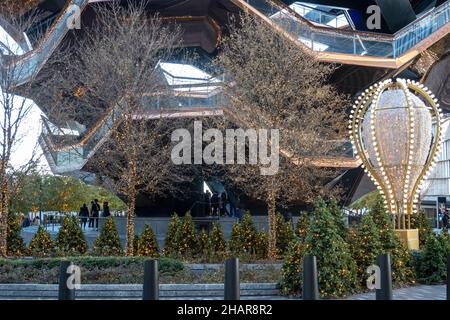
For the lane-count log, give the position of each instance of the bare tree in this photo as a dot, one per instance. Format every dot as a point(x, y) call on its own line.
point(110, 80)
point(14, 108)
point(275, 85)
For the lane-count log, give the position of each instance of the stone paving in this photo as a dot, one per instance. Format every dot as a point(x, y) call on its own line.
point(420, 292)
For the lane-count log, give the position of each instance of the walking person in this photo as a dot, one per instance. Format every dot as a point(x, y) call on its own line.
point(207, 201)
point(91, 218)
point(106, 212)
point(445, 220)
point(95, 211)
point(223, 203)
point(83, 215)
point(215, 204)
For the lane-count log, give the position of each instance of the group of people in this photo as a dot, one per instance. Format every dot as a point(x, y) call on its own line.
point(92, 214)
point(219, 204)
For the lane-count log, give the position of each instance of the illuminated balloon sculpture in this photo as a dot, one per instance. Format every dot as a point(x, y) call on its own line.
point(391, 129)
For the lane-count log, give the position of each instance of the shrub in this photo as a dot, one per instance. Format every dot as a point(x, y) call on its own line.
point(302, 225)
point(284, 234)
point(235, 242)
point(148, 245)
point(262, 244)
point(187, 237)
point(41, 245)
point(402, 269)
point(217, 241)
point(136, 240)
point(336, 267)
point(108, 241)
point(336, 212)
point(420, 221)
point(248, 234)
point(70, 239)
point(291, 277)
point(171, 243)
point(204, 245)
point(365, 247)
point(14, 242)
point(433, 265)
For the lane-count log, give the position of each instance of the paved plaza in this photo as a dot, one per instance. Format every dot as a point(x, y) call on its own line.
point(419, 292)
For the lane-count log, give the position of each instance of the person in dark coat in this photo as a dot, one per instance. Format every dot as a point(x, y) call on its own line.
point(223, 203)
point(445, 220)
point(106, 212)
point(215, 204)
point(207, 202)
point(84, 214)
point(95, 211)
point(91, 218)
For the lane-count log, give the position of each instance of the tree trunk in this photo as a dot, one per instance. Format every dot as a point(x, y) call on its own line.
point(4, 200)
point(271, 207)
point(130, 221)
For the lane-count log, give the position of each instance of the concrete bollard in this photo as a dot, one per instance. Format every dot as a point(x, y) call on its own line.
point(232, 281)
point(385, 292)
point(64, 292)
point(310, 283)
point(151, 280)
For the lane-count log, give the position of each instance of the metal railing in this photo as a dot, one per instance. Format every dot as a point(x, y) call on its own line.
point(325, 39)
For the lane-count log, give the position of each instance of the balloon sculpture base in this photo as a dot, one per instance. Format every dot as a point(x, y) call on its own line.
point(410, 237)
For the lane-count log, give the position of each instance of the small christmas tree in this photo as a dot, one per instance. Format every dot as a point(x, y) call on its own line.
point(108, 241)
point(70, 240)
point(336, 267)
point(136, 240)
point(402, 271)
point(262, 244)
point(235, 241)
point(420, 221)
point(14, 242)
point(284, 234)
point(171, 242)
point(148, 245)
point(302, 225)
point(41, 245)
point(433, 265)
point(338, 216)
point(218, 244)
point(248, 234)
point(366, 246)
point(291, 272)
point(204, 245)
point(188, 238)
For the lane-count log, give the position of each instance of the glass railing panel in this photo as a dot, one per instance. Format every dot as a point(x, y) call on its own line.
point(319, 39)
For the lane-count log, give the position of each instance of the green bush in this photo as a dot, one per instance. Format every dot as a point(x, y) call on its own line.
point(15, 245)
point(235, 241)
point(187, 237)
point(420, 221)
point(248, 234)
point(365, 247)
point(291, 277)
point(302, 226)
point(41, 245)
point(262, 245)
point(402, 268)
point(70, 239)
point(432, 267)
point(148, 245)
point(172, 243)
point(204, 245)
point(108, 241)
point(284, 234)
point(336, 267)
point(338, 216)
point(217, 241)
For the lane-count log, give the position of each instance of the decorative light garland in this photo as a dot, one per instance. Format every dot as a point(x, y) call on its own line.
point(405, 203)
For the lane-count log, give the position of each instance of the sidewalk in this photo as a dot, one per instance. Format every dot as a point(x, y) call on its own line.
point(419, 292)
